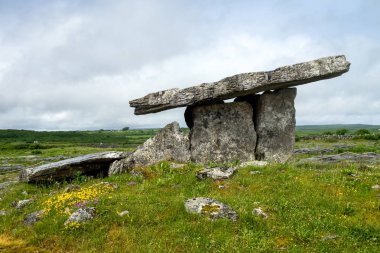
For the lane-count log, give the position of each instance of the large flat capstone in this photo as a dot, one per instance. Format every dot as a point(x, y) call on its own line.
point(222, 133)
point(92, 164)
point(243, 84)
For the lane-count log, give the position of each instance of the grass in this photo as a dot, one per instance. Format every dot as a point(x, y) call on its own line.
point(311, 207)
point(305, 204)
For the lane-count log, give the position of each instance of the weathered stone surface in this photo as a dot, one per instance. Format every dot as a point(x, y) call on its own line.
point(253, 163)
point(81, 215)
point(169, 144)
point(243, 84)
point(211, 208)
point(222, 133)
point(3, 212)
point(259, 212)
point(91, 164)
point(217, 173)
point(32, 218)
point(316, 150)
point(275, 125)
point(347, 156)
point(22, 203)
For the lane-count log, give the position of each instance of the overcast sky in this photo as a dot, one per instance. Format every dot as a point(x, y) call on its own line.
point(73, 65)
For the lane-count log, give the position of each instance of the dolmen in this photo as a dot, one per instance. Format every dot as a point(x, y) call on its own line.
point(258, 125)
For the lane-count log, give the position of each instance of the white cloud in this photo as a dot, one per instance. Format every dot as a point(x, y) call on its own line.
point(76, 66)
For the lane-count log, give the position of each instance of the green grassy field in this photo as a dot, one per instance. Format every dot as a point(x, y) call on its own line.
point(311, 207)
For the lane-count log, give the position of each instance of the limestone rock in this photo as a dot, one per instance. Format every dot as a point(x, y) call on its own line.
point(275, 125)
point(22, 203)
point(169, 144)
point(32, 218)
point(243, 84)
point(347, 156)
point(123, 213)
point(211, 208)
point(253, 163)
point(87, 164)
point(6, 184)
point(217, 173)
point(259, 212)
point(3, 212)
point(81, 215)
point(316, 150)
point(222, 133)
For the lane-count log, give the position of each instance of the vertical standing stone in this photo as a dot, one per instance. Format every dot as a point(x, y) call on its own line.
point(275, 124)
point(222, 133)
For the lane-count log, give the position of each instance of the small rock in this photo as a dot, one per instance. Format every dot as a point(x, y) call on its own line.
point(210, 208)
point(376, 186)
point(132, 183)
point(259, 212)
point(81, 215)
point(24, 193)
point(217, 173)
point(122, 213)
point(22, 203)
point(329, 237)
point(72, 188)
point(3, 213)
point(254, 172)
point(221, 186)
point(32, 218)
point(253, 163)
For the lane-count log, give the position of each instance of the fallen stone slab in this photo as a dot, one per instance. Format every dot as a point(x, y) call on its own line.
point(92, 164)
point(217, 173)
point(210, 208)
point(10, 168)
point(222, 133)
point(169, 144)
point(243, 84)
point(347, 156)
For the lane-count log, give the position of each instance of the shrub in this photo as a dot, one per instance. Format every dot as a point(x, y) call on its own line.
point(341, 131)
point(362, 132)
point(125, 129)
point(327, 133)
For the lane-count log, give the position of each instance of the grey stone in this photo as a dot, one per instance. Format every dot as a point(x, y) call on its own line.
point(123, 213)
point(275, 125)
point(87, 164)
point(3, 212)
point(259, 212)
point(376, 186)
point(347, 156)
point(22, 203)
point(253, 163)
point(316, 150)
point(211, 208)
point(10, 168)
point(217, 173)
point(32, 218)
point(169, 144)
point(255, 172)
point(223, 133)
point(81, 215)
point(243, 84)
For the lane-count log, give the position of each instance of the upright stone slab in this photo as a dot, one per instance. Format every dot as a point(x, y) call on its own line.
point(275, 124)
point(222, 133)
point(169, 144)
